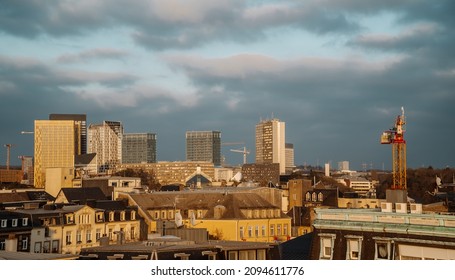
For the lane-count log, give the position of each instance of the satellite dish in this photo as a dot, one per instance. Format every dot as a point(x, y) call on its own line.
point(193, 219)
point(178, 219)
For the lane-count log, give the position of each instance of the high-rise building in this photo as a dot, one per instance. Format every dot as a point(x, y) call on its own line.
point(56, 144)
point(139, 148)
point(290, 165)
point(343, 165)
point(105, 140)
point(204, 146)
point(270, 143)
point(81, 127)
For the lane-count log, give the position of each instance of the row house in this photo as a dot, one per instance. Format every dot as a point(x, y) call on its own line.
point(226, 216)
point(70, 228)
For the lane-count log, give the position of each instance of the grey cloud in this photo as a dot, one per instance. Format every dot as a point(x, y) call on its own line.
point(93, 54)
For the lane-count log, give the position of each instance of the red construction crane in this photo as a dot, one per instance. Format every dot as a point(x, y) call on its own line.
point(395, 136)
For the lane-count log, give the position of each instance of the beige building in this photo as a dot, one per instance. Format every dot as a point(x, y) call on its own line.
point(58, 178)
point(71, 228)
point(270, 143)
point(105, 140)
point(56, 144)
point(173, 172)
point(232, 216)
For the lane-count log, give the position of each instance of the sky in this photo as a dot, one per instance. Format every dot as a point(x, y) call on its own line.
point(337, 72)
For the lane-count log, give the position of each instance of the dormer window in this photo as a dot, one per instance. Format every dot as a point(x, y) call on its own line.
point(24, 222)
point(14, 223)
point(122, 216)
point(133, 215)
point(313, 196)
point(70, 219)
point(111, 216)
point(320, 197)
point(3, 223)
point(308, 196)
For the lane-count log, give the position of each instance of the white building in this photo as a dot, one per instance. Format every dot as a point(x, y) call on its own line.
point(270, 143)
point(106, 141)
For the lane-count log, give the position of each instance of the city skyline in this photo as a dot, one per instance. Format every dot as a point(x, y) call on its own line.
point(336, 72)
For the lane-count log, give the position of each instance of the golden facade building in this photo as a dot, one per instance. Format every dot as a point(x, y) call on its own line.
point(231, 216)
point(56, 144)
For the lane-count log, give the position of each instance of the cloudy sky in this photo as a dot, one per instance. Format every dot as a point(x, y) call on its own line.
point(336, 72)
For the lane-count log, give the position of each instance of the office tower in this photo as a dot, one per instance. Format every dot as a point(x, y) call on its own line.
point(343, 165)
point(204, 146)
point(270, 143)
point(139, 148)
point(105, 140)
point(81, 127)
point(56, 144)
point(290, 165)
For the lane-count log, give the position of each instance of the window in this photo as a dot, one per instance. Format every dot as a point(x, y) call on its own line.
point(98, 234)
point(278, 229)
point(37, 248)
point(88, 236)
point(320, 197)
point(78, 236)
point(133, 233)
point(264, 231)
point(24, 222)
point(272, 230)
point(307, 196)
point(14, 223)
point(256, 231)
point(100, 217)
point(111, 216)
point(241, 232)
point(285, 229)
point(133, 215)
point(68, 238)
point(233, 255)
point(70, 219)
point(261, 254)
point(383, 249)
point(199, 214)
point(163, 214)
point(46, 247)
point(353, 247)
point(111, 234)
point(84, 219)
point(2, 245)
point(250, 231)
point(326, 243)
point(3, 223)
point(25, 243)
point(122, 216)
point(313, 196)
point(55, 246)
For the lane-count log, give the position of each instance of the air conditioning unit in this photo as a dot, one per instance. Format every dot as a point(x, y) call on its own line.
point(416, 208)
point(401, 207)
point(386, 207)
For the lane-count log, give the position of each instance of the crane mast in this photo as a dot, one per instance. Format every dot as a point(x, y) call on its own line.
point(395, 137)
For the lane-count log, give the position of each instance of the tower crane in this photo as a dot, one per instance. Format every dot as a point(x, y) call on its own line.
point(244, 151)
point(395, 137)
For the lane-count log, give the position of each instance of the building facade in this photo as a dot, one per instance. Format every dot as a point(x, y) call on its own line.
point(290, 164)
point(204, 146)
point(80, 121)
point(56, 145)
point(139, 148)
point(270, 143)
point(406, 233)
point(106, 141)
point(172, 172)
point(263, 174)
